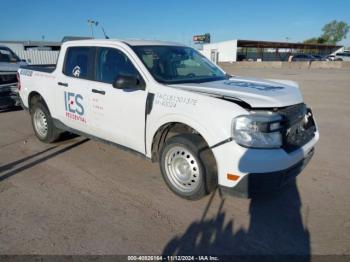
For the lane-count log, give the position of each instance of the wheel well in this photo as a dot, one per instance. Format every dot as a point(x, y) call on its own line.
point(167, 131)
point(172, 129)
point(33, 98)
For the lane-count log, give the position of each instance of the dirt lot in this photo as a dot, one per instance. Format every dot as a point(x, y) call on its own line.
point(84, 197)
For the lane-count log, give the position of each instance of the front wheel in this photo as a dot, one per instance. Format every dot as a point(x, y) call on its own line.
point(183, 168)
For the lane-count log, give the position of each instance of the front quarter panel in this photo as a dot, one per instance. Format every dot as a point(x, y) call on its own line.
point(209, 116)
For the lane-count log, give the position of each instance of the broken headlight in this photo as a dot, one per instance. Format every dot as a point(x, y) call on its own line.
point(258, 130)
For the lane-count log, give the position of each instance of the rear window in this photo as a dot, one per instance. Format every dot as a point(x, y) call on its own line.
point(79, 62)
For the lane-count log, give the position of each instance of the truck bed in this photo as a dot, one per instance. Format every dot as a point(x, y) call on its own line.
point(40, 68)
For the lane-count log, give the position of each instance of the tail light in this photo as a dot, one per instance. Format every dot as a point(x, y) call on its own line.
point(18, 82)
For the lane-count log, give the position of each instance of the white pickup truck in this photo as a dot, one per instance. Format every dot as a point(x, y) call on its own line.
point(168, 103)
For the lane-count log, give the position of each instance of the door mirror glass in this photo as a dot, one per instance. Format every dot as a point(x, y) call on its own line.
point(123, 81)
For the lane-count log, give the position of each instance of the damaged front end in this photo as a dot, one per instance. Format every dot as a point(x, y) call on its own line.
point(8, 90)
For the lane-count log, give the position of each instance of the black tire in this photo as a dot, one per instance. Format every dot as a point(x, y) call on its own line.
point(206, 177)
point(52, 133)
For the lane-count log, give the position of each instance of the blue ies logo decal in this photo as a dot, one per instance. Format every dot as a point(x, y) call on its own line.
point(257, 86)
point(74, 106)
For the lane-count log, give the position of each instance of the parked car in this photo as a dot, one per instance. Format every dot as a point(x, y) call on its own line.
point(168, 103)
point(9, 64)
point(319, 57)
point(329, 58)
point(344, 56)
point(305, 57)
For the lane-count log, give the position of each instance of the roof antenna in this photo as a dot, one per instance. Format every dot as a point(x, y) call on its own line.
point(104, 33)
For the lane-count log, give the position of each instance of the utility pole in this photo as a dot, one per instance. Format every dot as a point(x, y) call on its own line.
point(92, 24)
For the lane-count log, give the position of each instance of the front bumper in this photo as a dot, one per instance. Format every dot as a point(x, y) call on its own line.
point(9, 96)
point(257, 170)
point(254, 183)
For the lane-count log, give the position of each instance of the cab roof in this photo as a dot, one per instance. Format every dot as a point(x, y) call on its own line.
point(130, 42)
point(140, 42)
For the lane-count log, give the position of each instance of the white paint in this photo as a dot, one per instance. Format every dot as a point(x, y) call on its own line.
point(119, 115)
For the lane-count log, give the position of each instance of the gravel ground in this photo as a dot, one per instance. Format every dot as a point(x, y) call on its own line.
point(83, 197)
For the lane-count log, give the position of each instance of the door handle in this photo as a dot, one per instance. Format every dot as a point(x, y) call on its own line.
point(62, 84)
point(101, 92)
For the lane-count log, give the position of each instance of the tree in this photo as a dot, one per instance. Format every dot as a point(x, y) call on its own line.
point(315, 40)
point(335, 31)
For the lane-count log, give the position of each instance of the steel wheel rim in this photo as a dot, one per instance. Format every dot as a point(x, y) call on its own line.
point(182, 169)
point(40, 122)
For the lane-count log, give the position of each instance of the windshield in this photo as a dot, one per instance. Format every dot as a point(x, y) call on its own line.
point(178, 64)
point(6, 55)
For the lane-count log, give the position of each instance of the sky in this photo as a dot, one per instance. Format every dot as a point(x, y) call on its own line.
point(173, 20)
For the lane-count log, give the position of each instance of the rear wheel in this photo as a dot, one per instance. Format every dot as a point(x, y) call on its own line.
point(42, 123)
point(183, 168)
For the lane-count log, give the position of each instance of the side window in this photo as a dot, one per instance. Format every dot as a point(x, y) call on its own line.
point(7, 56)
point(78, 62)
point(110, 63)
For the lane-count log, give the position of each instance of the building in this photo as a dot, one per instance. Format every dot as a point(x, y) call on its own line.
point(35, 52)
point(252, 50)
point(31, 45)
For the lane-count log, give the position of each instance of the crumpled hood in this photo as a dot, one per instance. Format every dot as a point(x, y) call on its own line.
point(256, 92)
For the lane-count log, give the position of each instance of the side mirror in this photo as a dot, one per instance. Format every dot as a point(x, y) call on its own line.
point(128, 82)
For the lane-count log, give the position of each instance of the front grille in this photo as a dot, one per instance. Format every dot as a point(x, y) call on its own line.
point(293, 114)
point(299, 126)
point(8, 78)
